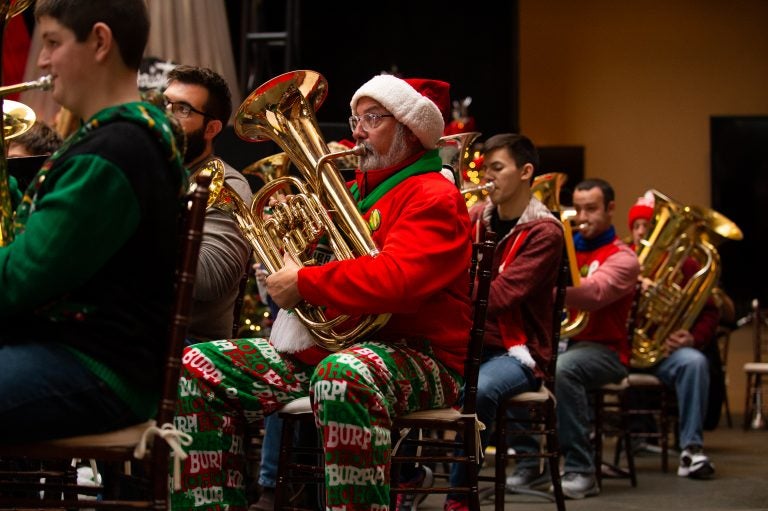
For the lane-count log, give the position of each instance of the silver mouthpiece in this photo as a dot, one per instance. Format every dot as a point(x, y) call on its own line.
point(489, 186)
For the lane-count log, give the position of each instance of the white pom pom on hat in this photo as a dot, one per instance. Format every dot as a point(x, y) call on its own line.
point(418, 103)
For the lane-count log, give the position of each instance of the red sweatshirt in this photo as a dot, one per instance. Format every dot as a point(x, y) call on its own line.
point(609, 276)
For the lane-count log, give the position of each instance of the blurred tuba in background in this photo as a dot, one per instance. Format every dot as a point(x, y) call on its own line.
point(672, 300)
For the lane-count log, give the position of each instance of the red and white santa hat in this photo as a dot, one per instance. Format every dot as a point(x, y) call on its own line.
point(416, 102)
point(643, 208)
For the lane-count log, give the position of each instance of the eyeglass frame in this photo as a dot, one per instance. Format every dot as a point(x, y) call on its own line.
point(373, 120)
point(169, 105)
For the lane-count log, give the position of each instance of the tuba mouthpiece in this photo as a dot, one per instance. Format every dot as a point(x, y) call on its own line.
point(45, 82)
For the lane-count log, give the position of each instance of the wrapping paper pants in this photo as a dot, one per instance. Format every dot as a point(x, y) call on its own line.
point(356, 392)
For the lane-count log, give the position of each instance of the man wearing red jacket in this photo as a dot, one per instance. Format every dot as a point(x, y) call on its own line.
point(420, 224)
point(685, 367)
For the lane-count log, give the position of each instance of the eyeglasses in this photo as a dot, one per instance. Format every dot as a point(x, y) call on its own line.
point(183, 109)
point(369, 121)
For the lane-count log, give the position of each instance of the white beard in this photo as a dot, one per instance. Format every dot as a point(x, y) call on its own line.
point(398, 151)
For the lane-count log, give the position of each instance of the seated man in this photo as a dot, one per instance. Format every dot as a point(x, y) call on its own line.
point(518, 331)
point(200, 99)
point(599, 354)
point(420, 224)
point(86, 280)
point(684, 366)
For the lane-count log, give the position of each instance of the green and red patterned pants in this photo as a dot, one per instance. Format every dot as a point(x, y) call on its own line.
point(355, 394)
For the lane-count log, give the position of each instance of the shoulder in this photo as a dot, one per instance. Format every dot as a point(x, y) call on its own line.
point(238, 182)
point(119, 141)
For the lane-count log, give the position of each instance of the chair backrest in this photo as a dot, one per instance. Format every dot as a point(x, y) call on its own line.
point(191, 234)
point(480, 272)
point(237, 310)
point(561, 283)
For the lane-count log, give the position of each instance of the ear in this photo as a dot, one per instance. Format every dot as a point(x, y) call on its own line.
point(526, 172)
point(213, 128)
point(103, 41)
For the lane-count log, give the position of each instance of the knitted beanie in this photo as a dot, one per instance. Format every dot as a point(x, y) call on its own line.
point(643, 208)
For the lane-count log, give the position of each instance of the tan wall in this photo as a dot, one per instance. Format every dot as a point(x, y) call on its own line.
point(635, 83)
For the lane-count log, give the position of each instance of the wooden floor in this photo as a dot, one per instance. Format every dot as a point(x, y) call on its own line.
point(740, 458)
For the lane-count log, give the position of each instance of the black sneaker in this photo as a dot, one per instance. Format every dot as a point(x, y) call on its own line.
point(695, 464)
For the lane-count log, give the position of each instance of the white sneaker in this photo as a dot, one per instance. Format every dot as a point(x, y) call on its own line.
point(578, 486)
point(695, 464)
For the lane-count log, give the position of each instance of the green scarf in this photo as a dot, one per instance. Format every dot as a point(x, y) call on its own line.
point(429, 162)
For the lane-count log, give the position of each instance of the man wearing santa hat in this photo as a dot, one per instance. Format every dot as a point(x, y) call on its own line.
point(685, 367)
point(420, 224)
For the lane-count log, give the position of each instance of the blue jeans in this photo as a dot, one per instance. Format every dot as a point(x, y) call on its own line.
point(46, 393)
point(500, 376)
point(584, 366)
point(270, 451)
point(687, 370)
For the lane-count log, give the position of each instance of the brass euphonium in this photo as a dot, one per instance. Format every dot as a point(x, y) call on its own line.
point(546, 188)
point(671, 303)
point(283, 110)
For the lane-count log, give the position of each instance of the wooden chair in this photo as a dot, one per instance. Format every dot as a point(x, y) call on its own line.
point(541, 421)
point(126, 445)
point(611, 400)
point(640, 394)
point(757, 370)
point(433, 448)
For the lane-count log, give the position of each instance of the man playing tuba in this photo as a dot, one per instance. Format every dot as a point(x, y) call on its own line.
point(420, 224)
point(684, 367)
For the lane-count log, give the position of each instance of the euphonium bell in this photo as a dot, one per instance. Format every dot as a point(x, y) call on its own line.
point(17, 118)
point(546, 188)
point(283, 110)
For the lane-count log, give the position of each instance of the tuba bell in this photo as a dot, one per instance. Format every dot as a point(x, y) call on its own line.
point(283, 110)
point(546, 188)
point(671, 302)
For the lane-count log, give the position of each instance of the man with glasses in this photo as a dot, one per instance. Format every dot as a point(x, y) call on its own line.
point(200, 100)
point(420, 224)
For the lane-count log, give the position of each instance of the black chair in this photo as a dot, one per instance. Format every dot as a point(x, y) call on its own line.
point(117, 448)
point(432, 448)
point(541, 420)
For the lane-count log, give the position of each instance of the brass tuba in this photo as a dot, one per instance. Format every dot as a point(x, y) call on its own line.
point(283, 110)
point(670, 302)
point(546, 188)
